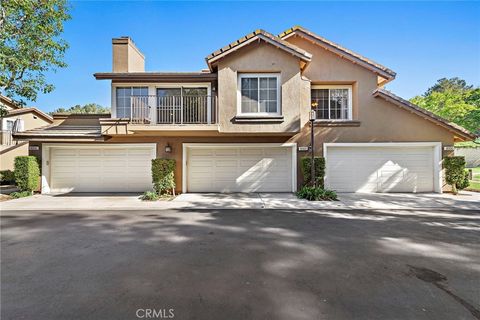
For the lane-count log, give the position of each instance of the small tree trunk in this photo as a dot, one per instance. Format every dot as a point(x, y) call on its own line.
point(454, 189)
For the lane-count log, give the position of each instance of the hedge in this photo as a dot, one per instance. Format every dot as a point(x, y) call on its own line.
point(455, 174)
point(319, 170)
point(7, 177)
point(27, 173)
point(163, 175)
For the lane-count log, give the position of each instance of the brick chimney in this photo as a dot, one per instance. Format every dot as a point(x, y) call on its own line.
point(126, 56)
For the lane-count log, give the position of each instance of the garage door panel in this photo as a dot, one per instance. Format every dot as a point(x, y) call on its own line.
point(380, 169)
point(239, 169)
point(101, 168)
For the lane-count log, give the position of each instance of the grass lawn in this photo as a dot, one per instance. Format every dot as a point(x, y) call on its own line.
point(475, 182)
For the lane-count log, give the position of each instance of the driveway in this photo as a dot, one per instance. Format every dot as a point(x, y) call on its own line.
point(240, 264)
point(119, 201)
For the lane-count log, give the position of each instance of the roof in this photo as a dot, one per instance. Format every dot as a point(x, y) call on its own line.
point(28, 110)
point(258, 35)
point(156, 76)
point(62, 131)
point(336, 48)
point(8, 101)
point(456, 129)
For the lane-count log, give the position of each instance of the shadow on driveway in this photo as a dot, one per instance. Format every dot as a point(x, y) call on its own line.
point(238, 264)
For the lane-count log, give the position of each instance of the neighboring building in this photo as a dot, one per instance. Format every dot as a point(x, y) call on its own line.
point(18, 119)
point(243, 124)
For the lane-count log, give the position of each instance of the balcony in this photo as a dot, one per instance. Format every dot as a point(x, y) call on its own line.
point(173, 110)
point(6, 138)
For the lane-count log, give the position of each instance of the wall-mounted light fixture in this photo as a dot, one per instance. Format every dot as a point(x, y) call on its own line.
point(168, 149)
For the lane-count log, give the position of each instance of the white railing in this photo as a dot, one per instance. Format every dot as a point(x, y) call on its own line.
point(182, 109)
point(6, 137)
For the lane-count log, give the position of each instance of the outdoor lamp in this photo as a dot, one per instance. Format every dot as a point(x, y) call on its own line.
point(168, 149)
point(313, 116)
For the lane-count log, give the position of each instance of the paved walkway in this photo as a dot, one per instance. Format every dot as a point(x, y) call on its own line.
point(465, 200)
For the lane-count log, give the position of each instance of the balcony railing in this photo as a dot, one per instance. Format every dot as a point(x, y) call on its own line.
point(182, 109)
point(6, 137)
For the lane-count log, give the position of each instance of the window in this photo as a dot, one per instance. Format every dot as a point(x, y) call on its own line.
point(123, 101)
point(332, 102)
point(259, 93)
point(10, 124)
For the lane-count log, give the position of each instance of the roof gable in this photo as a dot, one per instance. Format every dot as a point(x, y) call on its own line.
point(258, 35)
point(459, 131)
point(382, 71)
point(30, 110)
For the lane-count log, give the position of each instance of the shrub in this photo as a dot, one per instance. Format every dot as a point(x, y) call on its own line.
point(27, 173)
point(316, 194)
point(319, 170)
point(455, 174)
point(163, 175)
point(21, 194)
point(149, 196)
point(7, 177)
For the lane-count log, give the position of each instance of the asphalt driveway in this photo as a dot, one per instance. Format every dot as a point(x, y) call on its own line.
point(240, 264)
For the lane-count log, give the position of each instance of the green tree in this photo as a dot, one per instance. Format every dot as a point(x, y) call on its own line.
point(453, 100)
point(88, 108)
point(30, 45)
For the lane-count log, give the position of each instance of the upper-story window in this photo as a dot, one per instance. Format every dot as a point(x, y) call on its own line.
point(123, 101)
point(259, 93)
point(332, 102)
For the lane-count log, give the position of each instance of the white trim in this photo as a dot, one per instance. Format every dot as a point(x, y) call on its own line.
point(241, 75)
point(437, 156)
point(338, 86)
point(186, 146)
point(46, 155)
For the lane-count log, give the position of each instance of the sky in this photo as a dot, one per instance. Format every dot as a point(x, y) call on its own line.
point(421, 41)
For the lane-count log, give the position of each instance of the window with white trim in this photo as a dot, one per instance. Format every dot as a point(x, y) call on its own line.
point(332, 102)
point(123, 99)
point(259, 94)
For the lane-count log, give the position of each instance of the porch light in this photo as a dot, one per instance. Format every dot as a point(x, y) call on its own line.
point(168, 149)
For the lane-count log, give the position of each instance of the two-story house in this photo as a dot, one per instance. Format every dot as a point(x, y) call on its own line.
point(17, 119)
point(243, 124)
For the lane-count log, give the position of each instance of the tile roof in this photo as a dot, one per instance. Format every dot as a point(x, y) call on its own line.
point(27, 110)
point(61, 131)
point(389, 96)
point(339, 49)
point(258, 34)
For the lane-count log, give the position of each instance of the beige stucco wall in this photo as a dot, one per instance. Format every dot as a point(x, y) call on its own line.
point(30, 120)
point(380, 121)
point(261, 58)
point(8, 154)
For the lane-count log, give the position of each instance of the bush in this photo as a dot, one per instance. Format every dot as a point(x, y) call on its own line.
point(149, 196)
point(163, 175)
point(27, 173)
point(319, 170)
point(21, 194)
point(316, 194)
point(7, 177)
point(455, 174)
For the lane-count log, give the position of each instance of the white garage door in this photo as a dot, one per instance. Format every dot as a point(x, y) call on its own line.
point(380, 169)
point(239, 169)
point(125, 168)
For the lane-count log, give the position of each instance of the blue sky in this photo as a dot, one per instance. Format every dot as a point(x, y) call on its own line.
point(421, 41)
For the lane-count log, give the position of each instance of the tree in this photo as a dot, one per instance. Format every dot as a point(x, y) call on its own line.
point(453, 100)
point(30, 45)
point(88, 108)
point(444, 84)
